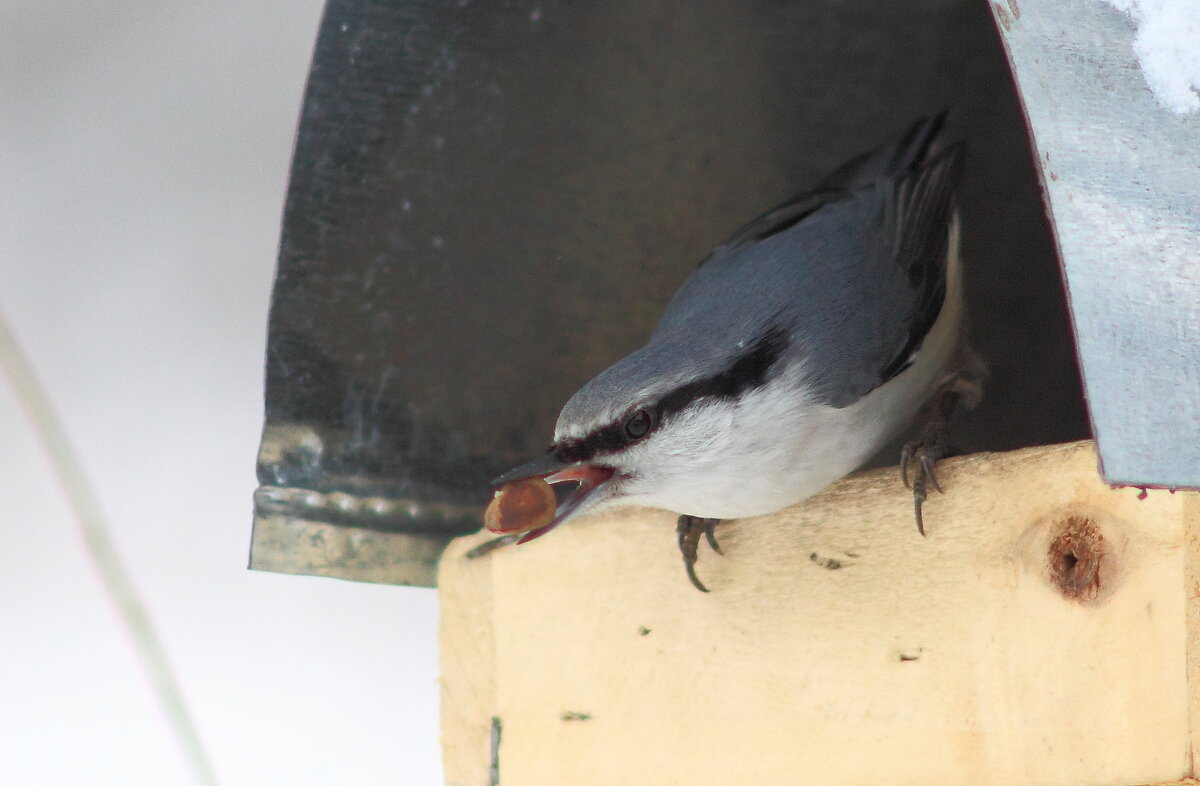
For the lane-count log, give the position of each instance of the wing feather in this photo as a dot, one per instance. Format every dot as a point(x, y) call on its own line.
point(860, 258)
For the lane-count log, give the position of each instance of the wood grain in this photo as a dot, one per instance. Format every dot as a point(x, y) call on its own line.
point(1038, 635)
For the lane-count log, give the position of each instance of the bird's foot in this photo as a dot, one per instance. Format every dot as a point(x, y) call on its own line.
point(688, 530)
point(923, 456)
point(961, 391)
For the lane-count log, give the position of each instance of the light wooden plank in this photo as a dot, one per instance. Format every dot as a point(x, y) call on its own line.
point(971, 656)
point(1191, 518)
point(468, 657)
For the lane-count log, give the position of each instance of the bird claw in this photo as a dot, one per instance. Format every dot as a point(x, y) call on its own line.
point(925, 456)
point(688, 531)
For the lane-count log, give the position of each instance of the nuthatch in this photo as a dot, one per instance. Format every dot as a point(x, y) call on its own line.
point(805, 343)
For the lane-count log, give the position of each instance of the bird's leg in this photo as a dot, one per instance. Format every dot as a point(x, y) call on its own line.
point(961, 391)
point(930, 446)
point(688, 530)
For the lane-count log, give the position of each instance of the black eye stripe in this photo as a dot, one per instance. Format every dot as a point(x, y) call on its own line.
point(750, 370)
point(608, 439)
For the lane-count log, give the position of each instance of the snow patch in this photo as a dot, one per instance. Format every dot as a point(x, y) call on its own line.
point(1167, 46)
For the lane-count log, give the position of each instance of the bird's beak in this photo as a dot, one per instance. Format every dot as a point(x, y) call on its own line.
point(591, 480)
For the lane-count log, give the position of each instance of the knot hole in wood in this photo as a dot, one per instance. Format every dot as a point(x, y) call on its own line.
point(1077, 557)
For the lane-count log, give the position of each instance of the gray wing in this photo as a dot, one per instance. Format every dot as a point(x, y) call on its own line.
point(853, 273)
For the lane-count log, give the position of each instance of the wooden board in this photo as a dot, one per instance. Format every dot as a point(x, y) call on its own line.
point(1037, 636)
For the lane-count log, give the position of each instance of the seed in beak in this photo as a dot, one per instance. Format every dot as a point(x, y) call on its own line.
point(521, 506)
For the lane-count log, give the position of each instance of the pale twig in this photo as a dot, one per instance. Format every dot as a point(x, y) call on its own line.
point(100, 548)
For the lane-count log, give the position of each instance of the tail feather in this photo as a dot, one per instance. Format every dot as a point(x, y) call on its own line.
point(907, 153)
point(898, 163)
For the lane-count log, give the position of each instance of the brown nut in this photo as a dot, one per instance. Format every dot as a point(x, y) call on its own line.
point(520, 506)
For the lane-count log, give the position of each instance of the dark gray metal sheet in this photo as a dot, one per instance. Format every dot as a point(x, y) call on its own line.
point(491, 202)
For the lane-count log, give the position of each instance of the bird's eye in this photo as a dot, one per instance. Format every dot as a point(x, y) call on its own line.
point(639, 424)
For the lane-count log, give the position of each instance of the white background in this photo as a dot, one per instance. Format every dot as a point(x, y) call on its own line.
point(144, 151)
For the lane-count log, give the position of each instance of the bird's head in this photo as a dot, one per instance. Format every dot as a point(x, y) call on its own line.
point(652, 429)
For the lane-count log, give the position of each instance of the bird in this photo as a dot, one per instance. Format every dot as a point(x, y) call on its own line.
point(801, 346)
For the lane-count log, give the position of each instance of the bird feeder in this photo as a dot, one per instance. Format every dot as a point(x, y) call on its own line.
point(490, 204)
